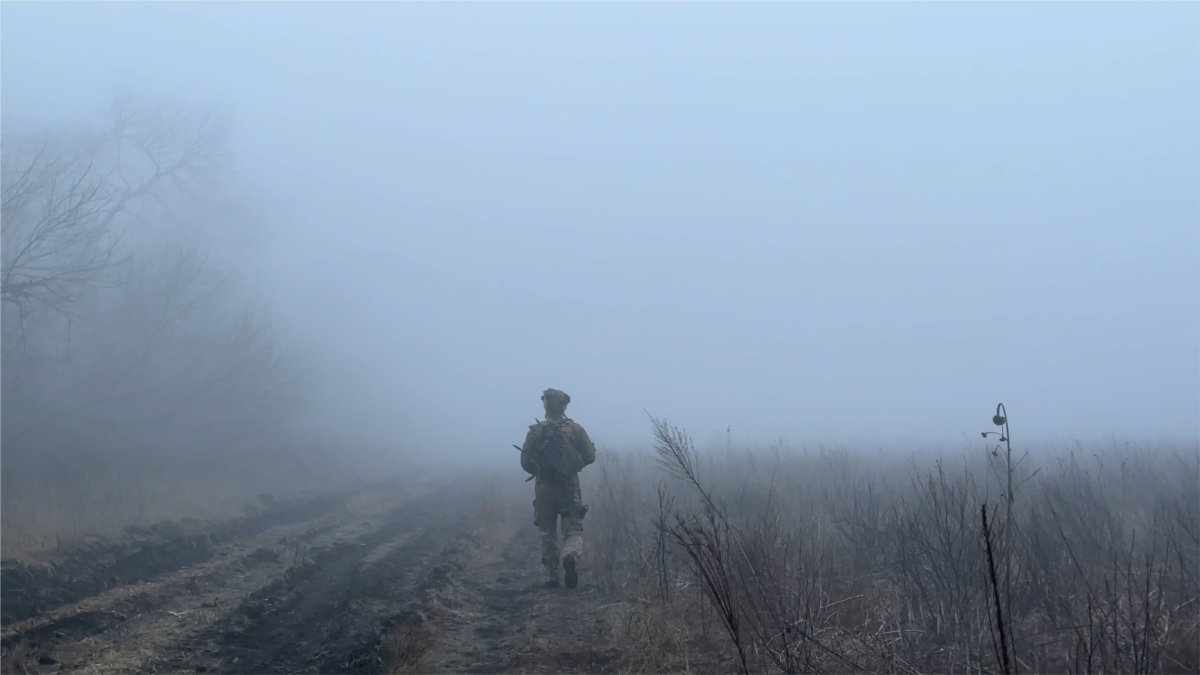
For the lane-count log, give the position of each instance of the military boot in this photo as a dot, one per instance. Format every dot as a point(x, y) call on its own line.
point(572, 575)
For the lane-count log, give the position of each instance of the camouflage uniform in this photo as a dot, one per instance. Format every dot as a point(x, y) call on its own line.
point(558, 497)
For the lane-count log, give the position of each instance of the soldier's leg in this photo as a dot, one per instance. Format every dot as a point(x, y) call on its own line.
point(572, 537)
point(572, 532)
point(546, 519)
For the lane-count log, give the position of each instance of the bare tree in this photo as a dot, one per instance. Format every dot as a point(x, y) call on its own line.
point(62, 196)
point(114, 317)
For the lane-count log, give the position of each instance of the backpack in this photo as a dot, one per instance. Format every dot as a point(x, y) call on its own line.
point(553, 451)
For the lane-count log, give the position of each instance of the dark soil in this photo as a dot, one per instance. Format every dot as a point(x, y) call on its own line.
point(517, 624)
point(331, 613)
point(363, 583)
point(26, 591)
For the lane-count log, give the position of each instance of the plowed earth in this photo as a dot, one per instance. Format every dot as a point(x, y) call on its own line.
point(379, 580)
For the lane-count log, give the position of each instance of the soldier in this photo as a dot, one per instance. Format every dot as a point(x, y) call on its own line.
point(554, 452)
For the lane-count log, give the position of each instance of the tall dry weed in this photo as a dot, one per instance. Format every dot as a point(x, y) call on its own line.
point(795, 561)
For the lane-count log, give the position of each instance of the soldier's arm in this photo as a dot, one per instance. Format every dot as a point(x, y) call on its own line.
point(584, 446)
point(526, 458)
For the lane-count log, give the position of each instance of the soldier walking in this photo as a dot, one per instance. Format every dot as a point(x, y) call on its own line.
point(554, 453)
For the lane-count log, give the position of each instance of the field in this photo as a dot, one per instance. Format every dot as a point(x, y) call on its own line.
point(720, 559)
point(832, 560)
point(401, 576)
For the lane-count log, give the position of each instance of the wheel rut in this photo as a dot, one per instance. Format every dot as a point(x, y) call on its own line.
point(27, 590)
point(329, 612)
point(312, 596)
point(507, 620)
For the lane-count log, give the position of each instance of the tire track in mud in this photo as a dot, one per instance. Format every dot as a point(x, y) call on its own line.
point(248, 607)
point(332, 612)
point(507, 620)
point(29, 590)
point(149, 615)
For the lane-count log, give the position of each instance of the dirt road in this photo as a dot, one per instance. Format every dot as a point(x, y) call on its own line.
point(501, 619)
point(417, 578)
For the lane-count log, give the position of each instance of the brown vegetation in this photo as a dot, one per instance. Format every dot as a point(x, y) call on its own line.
point(50, 506)
point(831, 560)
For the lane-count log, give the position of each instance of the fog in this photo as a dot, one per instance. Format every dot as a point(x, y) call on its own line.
point(828, 222)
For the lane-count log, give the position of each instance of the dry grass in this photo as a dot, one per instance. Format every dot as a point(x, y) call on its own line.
point(493, 515)
point(407, 647)
point(14, 659)
point(47, 506)
point(492, 525)
point(806, 561)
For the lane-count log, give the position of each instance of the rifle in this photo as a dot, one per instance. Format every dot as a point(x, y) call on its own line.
point(536, 468)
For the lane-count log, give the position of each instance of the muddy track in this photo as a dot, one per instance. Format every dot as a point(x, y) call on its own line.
point(509, 621)
point(281, 592)
point(436, 578)
point(331, 613)
point(28, 590)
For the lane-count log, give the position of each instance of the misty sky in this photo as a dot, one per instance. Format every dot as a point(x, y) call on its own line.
point(828, 221)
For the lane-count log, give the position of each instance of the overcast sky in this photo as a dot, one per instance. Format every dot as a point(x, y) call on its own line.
point(828, 221)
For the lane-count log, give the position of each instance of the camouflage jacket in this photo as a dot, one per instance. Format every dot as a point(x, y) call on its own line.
point(575, 433)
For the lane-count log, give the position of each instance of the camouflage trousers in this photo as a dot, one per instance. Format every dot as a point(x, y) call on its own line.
point(555, 503)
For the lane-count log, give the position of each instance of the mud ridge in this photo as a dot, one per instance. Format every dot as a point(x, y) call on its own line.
point(402, 639)
point(509, 621)
point(329, 613)
point(29, 590)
